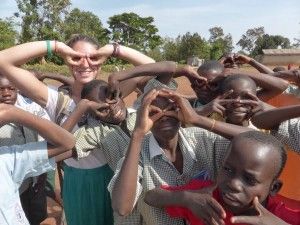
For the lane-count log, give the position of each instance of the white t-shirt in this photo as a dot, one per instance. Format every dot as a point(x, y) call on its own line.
point(19, 162)
point(95, 158)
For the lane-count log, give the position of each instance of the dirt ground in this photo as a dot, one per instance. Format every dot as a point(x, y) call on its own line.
point(291, 189)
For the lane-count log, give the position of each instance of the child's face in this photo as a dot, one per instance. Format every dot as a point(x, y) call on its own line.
point(248, 171)
point(237, 113)
point(8, 92)
point(207, 91)
point(166, 126)
point(115, 113)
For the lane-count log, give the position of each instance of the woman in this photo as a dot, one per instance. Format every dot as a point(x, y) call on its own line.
point(86, 179)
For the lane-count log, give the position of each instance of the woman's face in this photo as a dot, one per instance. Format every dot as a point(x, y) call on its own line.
point(84, 72)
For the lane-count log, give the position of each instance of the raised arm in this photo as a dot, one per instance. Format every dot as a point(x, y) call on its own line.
point(252, 62)
point(164, 71)
point(125, 186)
point(271, 86)
point(292, 76)
point(272, 118)
point(13, 58)
point(59, 140)
point(53, 76)
point(189, 116)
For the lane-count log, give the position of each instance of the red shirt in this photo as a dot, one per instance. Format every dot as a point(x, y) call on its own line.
point(275, 205)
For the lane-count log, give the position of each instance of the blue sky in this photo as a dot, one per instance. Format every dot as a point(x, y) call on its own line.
point(180, 16)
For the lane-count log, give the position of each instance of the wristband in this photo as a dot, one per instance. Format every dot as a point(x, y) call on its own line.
point(49, 50)
point(213, 125)
point(116, 50)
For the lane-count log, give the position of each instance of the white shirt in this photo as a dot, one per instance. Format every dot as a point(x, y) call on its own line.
point(19, 162)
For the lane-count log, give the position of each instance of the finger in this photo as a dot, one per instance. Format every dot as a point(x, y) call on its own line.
point(149, 97)
point(213, 217)
point(218, 209)
point(259, 208)
point(174, 114)
point(219, 109)
point(154, 109)
point(252, 96)
point(96, 61)
point(227, 101)
point(248, 102)
point(156, 116)
point(74, 61)
point(226, 94)
point(253, 220)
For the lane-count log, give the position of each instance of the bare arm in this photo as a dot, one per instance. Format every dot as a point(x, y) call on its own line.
point(54, 76)
point(252, 62)
point(12, 58)
point(272, 118)
point(271, 86)
point(164, 71)
point(124, 189)
point(292, 76)
point(59, 140)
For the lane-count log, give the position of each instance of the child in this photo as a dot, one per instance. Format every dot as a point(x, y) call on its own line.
point(245, 191)
point(21, 161)
point(32, 190)
point(169, 154)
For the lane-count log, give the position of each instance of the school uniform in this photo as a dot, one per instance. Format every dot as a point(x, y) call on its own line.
point(202, 151)
point(19, 162)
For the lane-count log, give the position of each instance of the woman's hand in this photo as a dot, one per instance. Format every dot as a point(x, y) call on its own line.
point(72, 57)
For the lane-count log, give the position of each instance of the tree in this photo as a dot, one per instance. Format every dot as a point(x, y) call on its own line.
point(41, 19)
point(84, 23)
point(270, 42)
point(132, 30)
point(247, 41)
point(193, 45)
point(219, 42)
point(8, 34)
point(170, 49)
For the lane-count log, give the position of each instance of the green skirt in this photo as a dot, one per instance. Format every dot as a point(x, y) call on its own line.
point(85, 196)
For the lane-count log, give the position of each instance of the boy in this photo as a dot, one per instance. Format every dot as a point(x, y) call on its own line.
point(22, 161)
point(246, 187)
point(32, 190)
point(168, 155)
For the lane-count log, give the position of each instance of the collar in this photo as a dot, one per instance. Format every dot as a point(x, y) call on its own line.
point(155, 149)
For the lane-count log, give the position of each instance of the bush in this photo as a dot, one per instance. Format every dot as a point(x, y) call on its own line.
point(63, 69)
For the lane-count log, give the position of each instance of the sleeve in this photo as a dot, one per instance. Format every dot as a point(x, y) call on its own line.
point(31, 160)
point(86, 140)
point(139, 187)
point(151, 84)
point(288, 133)
point(52, 102)
point(209, 147)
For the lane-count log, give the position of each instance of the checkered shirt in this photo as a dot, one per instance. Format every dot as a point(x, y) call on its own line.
point(288, 133)
point(202, 151)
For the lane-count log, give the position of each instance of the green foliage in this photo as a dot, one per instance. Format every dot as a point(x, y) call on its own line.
point(134, 31)
point(82, 22)
point(247, 41)
point(219, 42)
point(63, 69)
point(7, 34)
point(270, 42)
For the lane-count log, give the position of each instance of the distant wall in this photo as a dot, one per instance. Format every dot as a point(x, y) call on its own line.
point(281, 59)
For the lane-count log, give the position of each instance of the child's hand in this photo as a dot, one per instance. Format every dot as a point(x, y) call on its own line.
point(114, 89)
point(147, 113)
point(192, 75)
point(185, 112)
point(216, 105)
point(264, 216)
point(204, 206)
point(241, 59)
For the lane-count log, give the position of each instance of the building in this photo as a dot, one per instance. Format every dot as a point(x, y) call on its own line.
point(281, 56)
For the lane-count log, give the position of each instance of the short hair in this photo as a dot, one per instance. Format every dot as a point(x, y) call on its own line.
point(266, 140)
point(279, 68)
point(88, 87)
point(227, 82)
point(211, 66)
point(82, 37)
